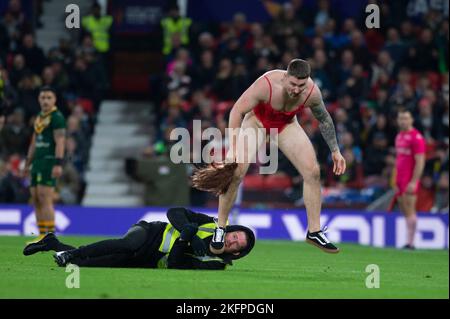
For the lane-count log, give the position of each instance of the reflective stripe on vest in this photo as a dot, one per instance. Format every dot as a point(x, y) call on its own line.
point(208, 258)
point(171, 234)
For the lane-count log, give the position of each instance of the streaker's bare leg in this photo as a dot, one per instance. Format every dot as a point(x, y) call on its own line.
point(247, 147)
point(297, 147)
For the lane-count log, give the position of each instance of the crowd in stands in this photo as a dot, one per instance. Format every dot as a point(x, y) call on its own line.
point(364, 74)
point(78, 75)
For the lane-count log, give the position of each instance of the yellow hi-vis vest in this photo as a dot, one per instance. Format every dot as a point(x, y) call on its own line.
point(99, 30)
point(171, 27)
point(170, 235)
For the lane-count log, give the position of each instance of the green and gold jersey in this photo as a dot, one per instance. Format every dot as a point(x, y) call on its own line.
point(44, 126)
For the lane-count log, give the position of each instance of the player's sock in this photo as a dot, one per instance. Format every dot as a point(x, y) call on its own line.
point(50, 226)
point(42, 225)
point(319, 240)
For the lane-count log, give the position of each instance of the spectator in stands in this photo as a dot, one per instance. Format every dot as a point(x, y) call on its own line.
point(347, 142)
point(286, 25)
point(87, 79)
point(323, 14)
point(14, 23)
point(344, 69)
point(73, 156)
point(16, 135)
point(178, 80)
point(68, 187)
point(240, 28)
point(426, 121)
point(28, 94)
point(381, 126)
point(205, 72)
point(356, 84)
point(384, 65)
point(321, 74)
point(424, 55)
point(344, 123)
point(205, 42)
point(223, 84)
point(441, 203)
point(232, 50)
point(74, 130)
point(375, 161)
point(34, 56)
point(265, 48)
point(359, 49)
point(83, 119)
point(61, 78)
point(13, 186)
point(18, 69)
point(240, 78)
point(394, 45)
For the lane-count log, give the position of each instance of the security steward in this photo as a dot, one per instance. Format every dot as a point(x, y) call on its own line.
point(174, 26)
point(98, 26)
point(180, 244)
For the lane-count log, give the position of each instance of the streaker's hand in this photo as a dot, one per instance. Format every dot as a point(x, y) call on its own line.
point(57, 171)
point(339, 164)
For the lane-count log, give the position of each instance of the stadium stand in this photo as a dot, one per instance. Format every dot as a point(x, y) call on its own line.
point(364, 74)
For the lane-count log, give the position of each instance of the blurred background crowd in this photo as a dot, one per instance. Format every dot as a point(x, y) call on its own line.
point(364, 75)
point(75, 70)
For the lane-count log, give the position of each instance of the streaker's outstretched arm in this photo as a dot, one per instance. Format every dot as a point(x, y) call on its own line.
point(328, 131)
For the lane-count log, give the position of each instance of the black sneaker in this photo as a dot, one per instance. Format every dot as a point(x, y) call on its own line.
point(218, 240)
point(319, 240)
point(48, 242)
point(62, 258)
point(409, 247)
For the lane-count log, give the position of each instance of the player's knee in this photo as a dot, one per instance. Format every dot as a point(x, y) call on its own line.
point(312, 174)
point(41, 197)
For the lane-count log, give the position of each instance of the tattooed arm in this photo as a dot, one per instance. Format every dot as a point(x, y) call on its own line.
point(327, 129)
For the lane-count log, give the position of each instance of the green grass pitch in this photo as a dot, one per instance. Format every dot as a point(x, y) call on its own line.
point(275, 269)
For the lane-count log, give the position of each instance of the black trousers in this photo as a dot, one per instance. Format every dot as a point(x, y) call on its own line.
point(123, 252)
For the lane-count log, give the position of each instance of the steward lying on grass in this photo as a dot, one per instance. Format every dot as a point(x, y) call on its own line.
point(183, 243)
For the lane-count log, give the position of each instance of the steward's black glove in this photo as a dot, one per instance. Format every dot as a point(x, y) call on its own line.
point(188, 232)
point(198, 246)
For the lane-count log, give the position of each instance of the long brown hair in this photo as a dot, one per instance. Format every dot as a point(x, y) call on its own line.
point(214, 178)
